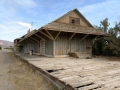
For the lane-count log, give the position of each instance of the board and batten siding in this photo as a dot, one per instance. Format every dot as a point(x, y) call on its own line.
point(66, 19)
point(32, 46)
point(25, 48)
point(63, 46)
point(49, 47)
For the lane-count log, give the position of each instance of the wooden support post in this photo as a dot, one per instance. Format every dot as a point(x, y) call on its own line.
point(40, 37)
point(45, 35)
point(96, 37)
point(49, 34)
point(53, 48)
point(84, 37)
point(57, 35)
point(72, 36)
point(34, 39)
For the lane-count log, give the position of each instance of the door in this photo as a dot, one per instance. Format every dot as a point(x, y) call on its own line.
point(42, 47)
point(29, 47)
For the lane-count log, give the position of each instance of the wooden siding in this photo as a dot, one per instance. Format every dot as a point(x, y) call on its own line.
point(49, 47)
point(65, 19)
point(25, 48)
point(34, 46)
point(63, 46)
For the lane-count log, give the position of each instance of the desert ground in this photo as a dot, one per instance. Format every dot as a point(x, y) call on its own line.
point(16, 75)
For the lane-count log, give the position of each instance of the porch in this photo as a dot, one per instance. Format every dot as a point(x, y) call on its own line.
point(79, 74)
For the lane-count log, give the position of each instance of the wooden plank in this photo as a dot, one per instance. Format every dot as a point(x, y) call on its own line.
point(28, 41)
point(34, 39)
point(84, 37)
point(25, 42)
point(96, 37)
point(31, 40)
point(54, 48)
point(40, 37)
point(72, 36)
point(82, 74)
point(45, 35)
point(57, 35)
point(49, 34)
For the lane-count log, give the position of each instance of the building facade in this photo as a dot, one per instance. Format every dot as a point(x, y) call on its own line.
point(71, 34)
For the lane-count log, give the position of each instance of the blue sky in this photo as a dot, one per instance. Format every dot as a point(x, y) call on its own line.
point(16, 15)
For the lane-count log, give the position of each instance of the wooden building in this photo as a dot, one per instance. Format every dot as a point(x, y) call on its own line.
point(70, 34)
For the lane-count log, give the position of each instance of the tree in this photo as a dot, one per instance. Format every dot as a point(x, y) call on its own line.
point(99, 46)
point(105, 24)
point(114, 40)
point(109, 46)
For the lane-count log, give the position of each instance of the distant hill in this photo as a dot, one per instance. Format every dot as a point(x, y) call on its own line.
point(5, 43)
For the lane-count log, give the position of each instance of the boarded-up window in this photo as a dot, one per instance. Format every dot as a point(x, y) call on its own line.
point(74, 20)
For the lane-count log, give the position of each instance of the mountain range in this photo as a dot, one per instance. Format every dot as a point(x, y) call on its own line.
point(5, 43)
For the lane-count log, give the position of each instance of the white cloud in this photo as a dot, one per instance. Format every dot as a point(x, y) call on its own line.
point(24, 24)
point(22, 3)
point(3, 27)
point(29, 26)
point(99, 11)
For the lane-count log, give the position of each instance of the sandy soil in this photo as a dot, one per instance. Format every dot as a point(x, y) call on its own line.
point(25, 78)
point(5, 62)
point(16, 75)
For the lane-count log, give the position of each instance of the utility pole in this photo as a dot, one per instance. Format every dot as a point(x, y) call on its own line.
point(31, 26)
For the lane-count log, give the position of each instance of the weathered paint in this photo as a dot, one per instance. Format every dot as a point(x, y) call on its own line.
point(63, 46)
point(49, 47)
point(31, 46)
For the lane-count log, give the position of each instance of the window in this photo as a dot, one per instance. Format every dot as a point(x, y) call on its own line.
point(74, 20)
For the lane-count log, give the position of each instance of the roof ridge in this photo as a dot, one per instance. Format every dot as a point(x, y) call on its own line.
point(75, 9)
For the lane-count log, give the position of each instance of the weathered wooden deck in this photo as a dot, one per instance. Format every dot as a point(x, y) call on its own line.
point(81, 74)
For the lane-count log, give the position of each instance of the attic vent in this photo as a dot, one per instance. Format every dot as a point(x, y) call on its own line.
point(74, 20)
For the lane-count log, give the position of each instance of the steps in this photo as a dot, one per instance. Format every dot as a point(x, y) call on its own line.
point(82, 55)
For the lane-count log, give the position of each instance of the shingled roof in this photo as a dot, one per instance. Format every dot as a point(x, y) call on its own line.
point(79, 13)
point(65, 27)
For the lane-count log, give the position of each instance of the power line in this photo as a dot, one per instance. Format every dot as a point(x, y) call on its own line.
point(15, 31)
point(20, 29)
point(32, 24)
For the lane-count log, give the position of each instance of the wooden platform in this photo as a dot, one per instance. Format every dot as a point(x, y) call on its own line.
point(81, 74)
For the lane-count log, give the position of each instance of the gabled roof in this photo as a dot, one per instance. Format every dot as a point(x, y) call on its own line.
point(28, 35)
point(71, 12)
point(65, 27)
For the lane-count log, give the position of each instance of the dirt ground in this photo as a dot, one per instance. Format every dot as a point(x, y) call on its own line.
point(25, 78)
point(5, 62)
point(16, 75)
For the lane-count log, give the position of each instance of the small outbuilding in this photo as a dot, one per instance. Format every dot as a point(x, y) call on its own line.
point(71, 34)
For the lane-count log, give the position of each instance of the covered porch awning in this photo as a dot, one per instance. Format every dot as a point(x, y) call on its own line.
point(44, 32)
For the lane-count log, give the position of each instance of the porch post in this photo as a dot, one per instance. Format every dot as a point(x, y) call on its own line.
point(40, 47)
point(53, 48)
